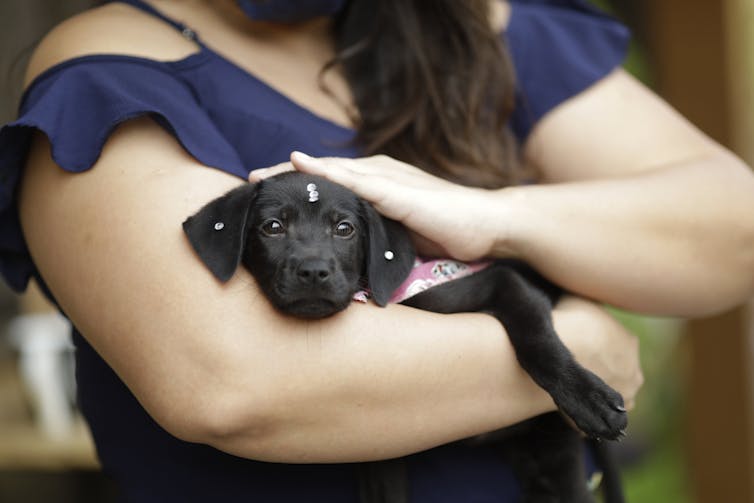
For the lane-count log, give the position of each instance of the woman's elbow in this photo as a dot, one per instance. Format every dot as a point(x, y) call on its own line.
point(225, 417)
point(741, 268)
point(728, 276)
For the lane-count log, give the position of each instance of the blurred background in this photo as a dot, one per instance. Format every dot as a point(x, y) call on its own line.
point(692, 433)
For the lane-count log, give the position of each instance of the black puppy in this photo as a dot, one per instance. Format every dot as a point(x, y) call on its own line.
point(312, 244)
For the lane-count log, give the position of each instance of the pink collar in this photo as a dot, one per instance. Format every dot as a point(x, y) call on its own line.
point(429, 273)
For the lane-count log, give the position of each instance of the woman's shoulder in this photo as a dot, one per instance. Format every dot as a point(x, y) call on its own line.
point(113, 28)
point(559, 48)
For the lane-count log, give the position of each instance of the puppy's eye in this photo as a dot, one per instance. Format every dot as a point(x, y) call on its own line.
point(273, 227)
point(344, 229)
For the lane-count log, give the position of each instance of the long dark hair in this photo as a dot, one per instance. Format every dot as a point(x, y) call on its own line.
point(433, 85)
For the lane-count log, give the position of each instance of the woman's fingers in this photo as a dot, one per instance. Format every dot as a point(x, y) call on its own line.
point(445, 218)
point(347, 172)
point(260, 174)
point(363, 178)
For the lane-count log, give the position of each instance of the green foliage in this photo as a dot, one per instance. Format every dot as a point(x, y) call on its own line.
point(660, 478)
point(654, 470)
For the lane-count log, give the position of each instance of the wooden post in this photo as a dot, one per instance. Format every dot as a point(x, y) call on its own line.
point(719, 416)
point(703, 57)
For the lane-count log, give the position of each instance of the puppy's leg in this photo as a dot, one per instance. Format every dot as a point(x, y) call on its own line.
point(548, 459)
point(611, 486)
point(521, 303)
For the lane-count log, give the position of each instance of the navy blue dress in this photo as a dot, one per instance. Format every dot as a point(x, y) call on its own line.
point(228, 119)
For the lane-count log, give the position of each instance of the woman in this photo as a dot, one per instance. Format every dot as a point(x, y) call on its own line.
point(192, 388)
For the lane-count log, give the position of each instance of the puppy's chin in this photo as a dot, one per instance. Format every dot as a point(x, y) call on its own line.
point(314, 308)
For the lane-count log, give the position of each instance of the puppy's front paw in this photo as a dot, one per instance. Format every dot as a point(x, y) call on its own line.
point(596, 408)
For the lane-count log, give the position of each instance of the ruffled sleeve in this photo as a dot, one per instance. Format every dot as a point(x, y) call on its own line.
point(77, 105)
point(559, 48)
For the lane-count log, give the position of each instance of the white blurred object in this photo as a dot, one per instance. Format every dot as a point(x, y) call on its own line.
point(46, 363)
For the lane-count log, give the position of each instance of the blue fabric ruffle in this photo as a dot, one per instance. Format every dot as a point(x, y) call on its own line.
point(77, 105)
point(559, 48)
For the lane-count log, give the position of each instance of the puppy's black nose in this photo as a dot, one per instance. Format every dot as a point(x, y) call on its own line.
point(313, 271)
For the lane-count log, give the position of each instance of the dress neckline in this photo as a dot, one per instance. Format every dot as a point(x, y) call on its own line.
point(207, 51)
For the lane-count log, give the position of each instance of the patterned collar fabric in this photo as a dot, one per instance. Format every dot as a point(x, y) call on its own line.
point(428, 273)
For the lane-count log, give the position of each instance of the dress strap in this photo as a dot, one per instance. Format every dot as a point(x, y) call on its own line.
point(186, 31)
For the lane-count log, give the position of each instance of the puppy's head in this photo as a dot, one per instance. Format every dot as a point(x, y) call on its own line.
point(310, 243)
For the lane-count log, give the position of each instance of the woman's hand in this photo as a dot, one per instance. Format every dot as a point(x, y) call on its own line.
point(601, 344)
point(446, 219)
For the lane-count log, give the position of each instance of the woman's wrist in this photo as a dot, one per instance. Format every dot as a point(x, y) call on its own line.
point(502, 210)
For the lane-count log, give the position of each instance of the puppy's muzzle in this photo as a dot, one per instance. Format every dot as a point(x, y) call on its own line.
point(314, 272)
point(311, 287)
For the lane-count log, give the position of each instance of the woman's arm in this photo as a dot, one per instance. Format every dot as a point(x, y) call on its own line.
point(667, 226)
point(638, 208)
point(216, 364)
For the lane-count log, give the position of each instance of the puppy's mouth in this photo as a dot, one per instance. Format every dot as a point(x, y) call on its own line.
point(309, 301)
point(314, 308)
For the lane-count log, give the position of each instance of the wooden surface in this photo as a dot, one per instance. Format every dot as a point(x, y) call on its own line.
point(719, 417)
point(22, 445)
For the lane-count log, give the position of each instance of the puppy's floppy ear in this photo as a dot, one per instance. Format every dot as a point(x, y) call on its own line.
point(218, 231)
point(386, 273)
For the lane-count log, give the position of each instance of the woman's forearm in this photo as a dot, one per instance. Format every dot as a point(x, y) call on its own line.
point(676, 240)
point(362, 386)
point(344, 392)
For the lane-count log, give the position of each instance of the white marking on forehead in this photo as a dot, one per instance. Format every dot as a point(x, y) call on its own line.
point(313, 194)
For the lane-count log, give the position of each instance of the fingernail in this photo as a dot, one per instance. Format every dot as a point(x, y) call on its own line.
point(301, 156)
